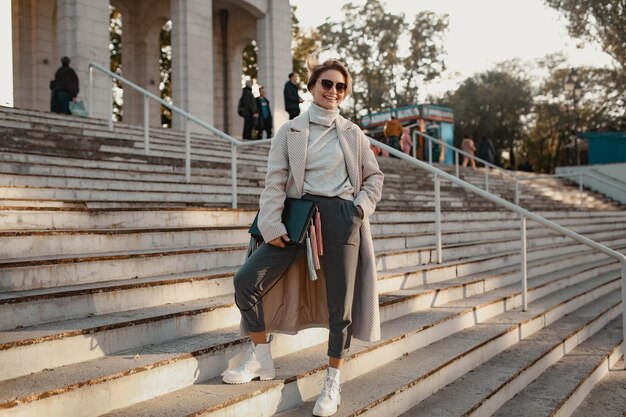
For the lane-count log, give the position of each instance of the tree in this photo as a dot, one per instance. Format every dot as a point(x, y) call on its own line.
point(554, 120)
point(251, 61)
point(303, 43)
point(601, 21)
point(368, 38)
point(493, 104)
point(425, 60)
point(165, 68)
point(115, 49)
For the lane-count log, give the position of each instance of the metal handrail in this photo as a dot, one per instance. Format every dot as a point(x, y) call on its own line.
point(234, 142)
point(458, 152)
point(524, 214)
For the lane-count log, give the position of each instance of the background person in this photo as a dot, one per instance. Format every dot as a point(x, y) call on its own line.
point(469, 147)
point(292, 98)
point(248, 111)
point(393, 132)
point(265, 122)
point(323, 157)
point(64, 88)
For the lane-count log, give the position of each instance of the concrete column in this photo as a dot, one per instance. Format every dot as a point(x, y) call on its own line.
point(192, 58)
point(274, 42)
point(34, 55)
point(140, 55)
point(83, 36)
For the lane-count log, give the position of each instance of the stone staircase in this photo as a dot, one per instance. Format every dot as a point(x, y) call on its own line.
point(50, 160)
point(118, 305)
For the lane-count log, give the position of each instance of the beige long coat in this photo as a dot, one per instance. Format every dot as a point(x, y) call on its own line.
point(296, 302)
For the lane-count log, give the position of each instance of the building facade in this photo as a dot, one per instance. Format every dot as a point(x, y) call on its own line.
point(207, 39)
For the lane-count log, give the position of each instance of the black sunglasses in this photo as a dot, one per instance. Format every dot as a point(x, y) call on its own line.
point(328, 84)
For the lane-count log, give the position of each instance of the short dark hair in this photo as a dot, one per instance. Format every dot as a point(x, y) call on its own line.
point(291, 74)
point(65, 61)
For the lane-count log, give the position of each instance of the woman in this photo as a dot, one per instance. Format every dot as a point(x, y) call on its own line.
point(323, 157)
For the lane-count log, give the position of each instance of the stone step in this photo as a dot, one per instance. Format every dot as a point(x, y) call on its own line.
point(38, 243)
point(81, 219)
point(68, 218)
point(30, 307)
point(89, 268)
point(399, 385)
point(25, 183)
point(187, 366)
point(543, 261)
point(24, 162)
point(56, 271)
point(54, 171)
point(220, 195)
point(607, 399)
point(526, 367)
point(561, 388)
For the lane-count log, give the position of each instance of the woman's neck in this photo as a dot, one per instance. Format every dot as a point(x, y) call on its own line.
point(321, 115)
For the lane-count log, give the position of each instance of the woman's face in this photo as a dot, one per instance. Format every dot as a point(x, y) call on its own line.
point(328, 95)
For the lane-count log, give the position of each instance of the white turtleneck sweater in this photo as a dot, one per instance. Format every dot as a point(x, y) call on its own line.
point(325, 172)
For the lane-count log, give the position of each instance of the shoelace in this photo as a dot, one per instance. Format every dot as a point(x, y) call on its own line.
point(331, 386)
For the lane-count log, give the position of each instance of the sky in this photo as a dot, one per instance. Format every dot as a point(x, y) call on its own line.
point(481, 33)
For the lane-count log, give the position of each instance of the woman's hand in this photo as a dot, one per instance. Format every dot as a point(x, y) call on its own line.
point(280, 242)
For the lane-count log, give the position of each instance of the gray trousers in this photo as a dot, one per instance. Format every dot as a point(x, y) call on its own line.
point(341, 238)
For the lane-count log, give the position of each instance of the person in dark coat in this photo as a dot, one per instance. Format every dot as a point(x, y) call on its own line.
point(292, 98)
point(249, 110)
point(486, 150)
point(265, 114)
point(64, 88)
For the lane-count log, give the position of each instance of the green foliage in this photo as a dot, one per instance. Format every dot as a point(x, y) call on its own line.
point(115, 48)
point(367, 38)
point(493, 104)
point(165, 69)
point(602, 21)
point(250, 61)
point(302, 45)
point(554, 120)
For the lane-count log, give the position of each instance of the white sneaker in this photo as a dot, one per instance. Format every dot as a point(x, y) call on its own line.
point(330, 397)
point(258, 363)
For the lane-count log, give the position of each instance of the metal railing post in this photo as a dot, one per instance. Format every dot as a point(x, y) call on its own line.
point(110, 104)
point(414, 145)
point(524, 267)
point(187, 150)
point(233, 173)
point(516, 190)
point(623, 264)
point(438, 218)
point(487, 178)
point(90, 92)
point(430, 151)
point(456, 163)
point(146, 125)
point(580, 186)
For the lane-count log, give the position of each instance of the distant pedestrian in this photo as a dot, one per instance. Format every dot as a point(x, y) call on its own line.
point(265, 122)
point(405, 141)
point(486, 150)
point(468, 147)
point(64, 88)
point(292, 98)
point(248, 110)
point(393, 132)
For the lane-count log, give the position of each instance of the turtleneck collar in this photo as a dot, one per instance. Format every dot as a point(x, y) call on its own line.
point(321, 115)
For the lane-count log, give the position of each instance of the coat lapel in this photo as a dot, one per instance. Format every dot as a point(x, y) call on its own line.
point(349, 142)
point(297, 141)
